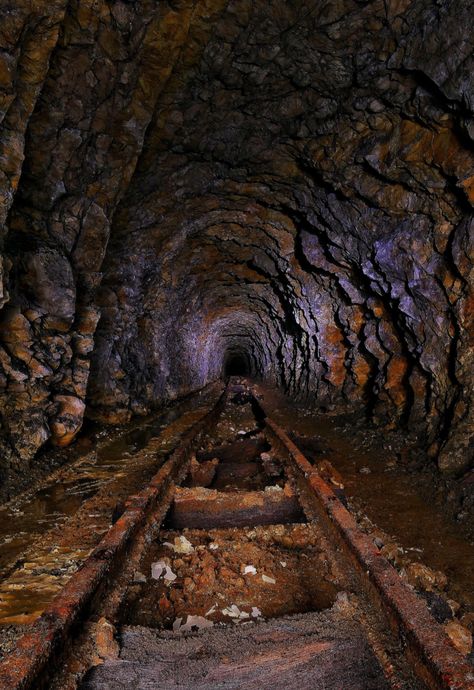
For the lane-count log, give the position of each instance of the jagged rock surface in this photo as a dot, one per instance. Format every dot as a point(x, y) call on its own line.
point(288, 182)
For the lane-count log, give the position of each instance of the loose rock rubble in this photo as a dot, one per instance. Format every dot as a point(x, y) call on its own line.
point(253, 572)
point(431, 584)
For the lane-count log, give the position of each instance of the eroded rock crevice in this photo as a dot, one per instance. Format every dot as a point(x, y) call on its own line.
point(288, 185)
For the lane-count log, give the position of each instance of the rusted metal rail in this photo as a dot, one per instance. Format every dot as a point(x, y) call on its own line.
point(427, 648)
point(27, 667)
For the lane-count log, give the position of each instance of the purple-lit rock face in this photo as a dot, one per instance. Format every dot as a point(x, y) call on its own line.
point(195, 188)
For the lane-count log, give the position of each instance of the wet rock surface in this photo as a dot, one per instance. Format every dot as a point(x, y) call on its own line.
point(281, 187)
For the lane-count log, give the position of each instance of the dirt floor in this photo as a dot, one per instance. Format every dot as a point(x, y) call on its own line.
point(257, 606)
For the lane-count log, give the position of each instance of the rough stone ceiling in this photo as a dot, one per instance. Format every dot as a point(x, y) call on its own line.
point(292, 181)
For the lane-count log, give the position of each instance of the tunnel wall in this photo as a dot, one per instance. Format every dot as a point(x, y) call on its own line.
point(293, 179)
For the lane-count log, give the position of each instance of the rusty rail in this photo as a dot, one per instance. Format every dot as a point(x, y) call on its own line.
point(427, 647)
point(39, 648)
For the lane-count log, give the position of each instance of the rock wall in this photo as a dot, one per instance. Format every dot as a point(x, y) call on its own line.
point(289, 182)
point(97, 74)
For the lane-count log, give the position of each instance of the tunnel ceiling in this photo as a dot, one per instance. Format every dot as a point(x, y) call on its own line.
point(291, 181)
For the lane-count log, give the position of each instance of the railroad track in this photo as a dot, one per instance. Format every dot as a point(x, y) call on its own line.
point(238, 565)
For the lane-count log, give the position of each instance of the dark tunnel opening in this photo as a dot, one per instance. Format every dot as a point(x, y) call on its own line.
point(237, 364)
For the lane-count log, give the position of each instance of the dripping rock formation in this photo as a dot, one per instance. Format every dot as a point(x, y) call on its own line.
point(280, 189)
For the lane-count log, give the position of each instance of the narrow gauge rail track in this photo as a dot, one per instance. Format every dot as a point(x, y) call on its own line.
point(257, 538)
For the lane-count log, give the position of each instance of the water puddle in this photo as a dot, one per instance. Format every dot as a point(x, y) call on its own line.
point(46, 533)
point(392, 500)
point(26, 517)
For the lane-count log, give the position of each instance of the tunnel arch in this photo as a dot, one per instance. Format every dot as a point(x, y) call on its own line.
point(320, 221)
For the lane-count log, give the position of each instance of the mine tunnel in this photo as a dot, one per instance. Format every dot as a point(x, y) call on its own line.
point(236, 332)
point(236, 364)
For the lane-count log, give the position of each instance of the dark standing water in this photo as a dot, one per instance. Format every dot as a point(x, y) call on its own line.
point(47, 532)
point(36, 511)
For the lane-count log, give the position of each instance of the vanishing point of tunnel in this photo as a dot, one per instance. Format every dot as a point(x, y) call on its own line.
point(197, 195)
